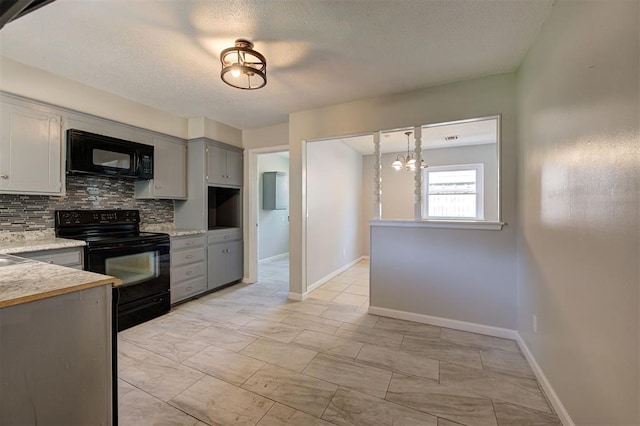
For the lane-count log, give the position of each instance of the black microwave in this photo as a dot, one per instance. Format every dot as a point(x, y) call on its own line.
point(90, 153)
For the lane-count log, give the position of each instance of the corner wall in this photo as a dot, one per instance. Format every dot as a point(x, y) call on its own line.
point(579, 216)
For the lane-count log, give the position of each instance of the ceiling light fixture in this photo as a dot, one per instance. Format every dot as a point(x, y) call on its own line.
point(407, 162)
point(243, 67)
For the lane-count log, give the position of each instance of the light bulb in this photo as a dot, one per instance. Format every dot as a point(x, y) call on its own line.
point(235, 71)
point(397, 165)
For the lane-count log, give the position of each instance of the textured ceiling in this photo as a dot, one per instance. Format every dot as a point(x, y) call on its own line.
point(165, 53)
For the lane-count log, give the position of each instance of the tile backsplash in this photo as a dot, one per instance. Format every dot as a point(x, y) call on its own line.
point(35, 212)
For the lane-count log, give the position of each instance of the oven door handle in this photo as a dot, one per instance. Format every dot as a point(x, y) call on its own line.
point(154, 245)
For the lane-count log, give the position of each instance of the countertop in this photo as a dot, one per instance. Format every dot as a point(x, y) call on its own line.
point(169, 228)
point(32, 280)
point(24, 246)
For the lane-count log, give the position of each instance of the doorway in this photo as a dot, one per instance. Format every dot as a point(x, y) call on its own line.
point(267, 236)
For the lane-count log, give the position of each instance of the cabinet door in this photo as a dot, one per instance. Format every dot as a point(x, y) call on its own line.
point(234, 261)
point(234, 168)
point(216, 165)
point(30, 151)
point(217, 266)
point(169, 169)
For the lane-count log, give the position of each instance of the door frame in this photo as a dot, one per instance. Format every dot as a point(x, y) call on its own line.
point(252, 180)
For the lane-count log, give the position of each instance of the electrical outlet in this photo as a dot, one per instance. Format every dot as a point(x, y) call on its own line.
point(535, 323)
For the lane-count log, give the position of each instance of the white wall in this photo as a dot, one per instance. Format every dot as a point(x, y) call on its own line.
point(205, 127)
point(475, 98)
point(579, 177)
point(263, 137)
point(43, 86)
point(273, 225)
point(334, 201)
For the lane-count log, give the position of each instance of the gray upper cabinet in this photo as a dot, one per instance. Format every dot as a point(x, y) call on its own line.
point(275, 191)
point(169, 171)
point(30, 150)
point(224, 166)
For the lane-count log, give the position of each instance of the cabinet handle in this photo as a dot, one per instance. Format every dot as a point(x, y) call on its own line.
point(188, 273)
point(189, 288)
point(4, 176)
point(189, 256)
point(158, 186)
point(188, 243)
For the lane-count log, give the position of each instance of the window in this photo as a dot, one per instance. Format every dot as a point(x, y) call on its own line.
point(454, 192)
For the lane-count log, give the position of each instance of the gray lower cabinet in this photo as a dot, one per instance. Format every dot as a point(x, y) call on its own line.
point(224, 255)
point(69, 257)
point(55, 360)
point(188, 267)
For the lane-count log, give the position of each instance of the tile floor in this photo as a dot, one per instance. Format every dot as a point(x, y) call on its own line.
point(248, 356)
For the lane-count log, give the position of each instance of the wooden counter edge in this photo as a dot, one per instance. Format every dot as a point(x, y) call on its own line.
point(33, 297)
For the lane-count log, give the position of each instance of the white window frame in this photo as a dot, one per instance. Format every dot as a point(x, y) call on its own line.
point(478, 167)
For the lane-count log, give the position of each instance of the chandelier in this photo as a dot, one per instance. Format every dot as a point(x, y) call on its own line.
point(407, 162)
point(243, 67)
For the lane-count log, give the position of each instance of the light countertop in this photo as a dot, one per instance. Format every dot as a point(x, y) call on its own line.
point(24, 246)
point(169, 228)
point(32, 280)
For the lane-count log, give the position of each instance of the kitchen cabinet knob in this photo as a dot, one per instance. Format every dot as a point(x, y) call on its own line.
point(4, 176)
point(157, 186)
point(188, 243)
point(189, 256)
point(188, 273)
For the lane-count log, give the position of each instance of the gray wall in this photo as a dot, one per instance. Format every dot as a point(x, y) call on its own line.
point(579, 208)
point(334, 200)
point(273, 225)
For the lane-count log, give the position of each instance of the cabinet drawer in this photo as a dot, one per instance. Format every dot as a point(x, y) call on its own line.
point(62, 258)
point(187, 272)
point(178, 243)
point(184, 257)
point(187, 288)
point(223, 235)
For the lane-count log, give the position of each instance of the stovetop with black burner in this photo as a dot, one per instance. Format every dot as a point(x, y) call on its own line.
point(99, 227)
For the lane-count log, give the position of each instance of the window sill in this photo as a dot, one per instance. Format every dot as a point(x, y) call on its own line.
point(440, 224)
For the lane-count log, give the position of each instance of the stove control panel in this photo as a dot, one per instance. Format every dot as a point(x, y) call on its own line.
point(95, 217)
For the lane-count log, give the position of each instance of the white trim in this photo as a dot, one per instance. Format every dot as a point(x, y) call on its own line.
point(442, 224)
point(297, 296)
point(276, 257)
point(364, 257)
point(558, 406)
point(489, 330)
point(331, 275)
point(479, 193)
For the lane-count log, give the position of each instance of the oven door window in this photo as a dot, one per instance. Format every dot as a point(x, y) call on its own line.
point(133, 268)
point(116, 160)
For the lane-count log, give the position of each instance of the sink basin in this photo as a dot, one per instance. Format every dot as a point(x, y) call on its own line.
point(6, 260)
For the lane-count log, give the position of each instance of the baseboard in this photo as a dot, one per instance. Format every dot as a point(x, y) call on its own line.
point(561, 411)
point(331, 275)
point(276, 257)
point(505, 333)
point(297, 296)
point(365, 258)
